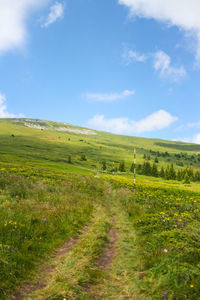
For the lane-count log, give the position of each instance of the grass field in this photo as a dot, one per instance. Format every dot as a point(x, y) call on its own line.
point(67, 233)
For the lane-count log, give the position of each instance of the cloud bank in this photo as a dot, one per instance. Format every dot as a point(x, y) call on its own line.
point(157, 121)
point(181, 13)
point(3, 109)
point(108, 97)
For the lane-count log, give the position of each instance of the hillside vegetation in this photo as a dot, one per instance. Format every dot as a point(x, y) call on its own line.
point(74, 226)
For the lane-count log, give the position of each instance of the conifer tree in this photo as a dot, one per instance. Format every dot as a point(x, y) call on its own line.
point(122, 167)
point(132, 168)
point(162, 173)
point(156, 160)
point(104, 167)
point(186, 179)
point(172, 172)
point(69, 159)
point(179, 175)
point(154, 170)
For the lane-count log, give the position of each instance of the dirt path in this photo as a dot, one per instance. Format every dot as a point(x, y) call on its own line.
point(40, 281)
point(77, 272)
point(109, 253)
point(118, 261)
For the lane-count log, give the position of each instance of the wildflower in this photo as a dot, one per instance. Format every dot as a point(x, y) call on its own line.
point(165, 250)
point(164, 294)
point(191, 285)
point(13, 250)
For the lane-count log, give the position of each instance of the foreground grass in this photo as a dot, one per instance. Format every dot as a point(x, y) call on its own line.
point(157, 252)
point(167, 224)
point(78, 270)
point(120, 281)
point(38, 217)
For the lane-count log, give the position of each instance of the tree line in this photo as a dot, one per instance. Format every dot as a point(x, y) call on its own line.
point(170, 173)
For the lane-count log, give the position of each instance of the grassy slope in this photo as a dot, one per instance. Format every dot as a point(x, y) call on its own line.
point(25, 203)
point(50, 148)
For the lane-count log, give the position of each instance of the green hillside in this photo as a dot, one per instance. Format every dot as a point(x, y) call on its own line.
point(49, 144)
point(74, 226)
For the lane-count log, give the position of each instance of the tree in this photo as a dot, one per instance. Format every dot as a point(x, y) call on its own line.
point(156, 160)
point(186, 179)
point(162, 173)
point(104, 167)
point(139, 169)
point(69, 159)
point(132, 168)
point(197, 176)
point(83, 157)
point(190, 172)
point(179, 175)
point(154, 170)
point(172, 172)
point(122, 167)
point(167, 173)
point(146, 169)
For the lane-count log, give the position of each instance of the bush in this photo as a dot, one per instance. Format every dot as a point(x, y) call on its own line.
point(83, 157)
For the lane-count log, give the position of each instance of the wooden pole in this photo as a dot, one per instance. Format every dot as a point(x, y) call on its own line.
point(134, 167)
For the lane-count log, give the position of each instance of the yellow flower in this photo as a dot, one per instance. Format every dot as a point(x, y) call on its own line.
point(191, 285)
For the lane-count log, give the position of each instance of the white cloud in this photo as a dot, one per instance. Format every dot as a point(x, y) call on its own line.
point(196, 139)
point(181, 13)
point(13, 16)
point(3, 109)
point(163, 65)
point(108, 97)
point(131, 55)
point(194, 125)
point(156, 121)
point(56, 13)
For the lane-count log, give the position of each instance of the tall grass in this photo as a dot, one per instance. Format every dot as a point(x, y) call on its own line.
point(37, 217)
point(167, 224)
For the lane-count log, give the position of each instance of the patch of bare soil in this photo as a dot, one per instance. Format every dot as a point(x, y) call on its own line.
point(107, 256)
point(109, 253)
point(40, 282)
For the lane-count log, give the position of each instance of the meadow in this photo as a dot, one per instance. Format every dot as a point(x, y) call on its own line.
point(167, 223)
point(47, 201)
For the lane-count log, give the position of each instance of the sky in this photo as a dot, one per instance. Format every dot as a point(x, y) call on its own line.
point(124, 66)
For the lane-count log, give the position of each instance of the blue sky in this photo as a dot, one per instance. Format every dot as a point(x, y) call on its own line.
point(124, 66)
